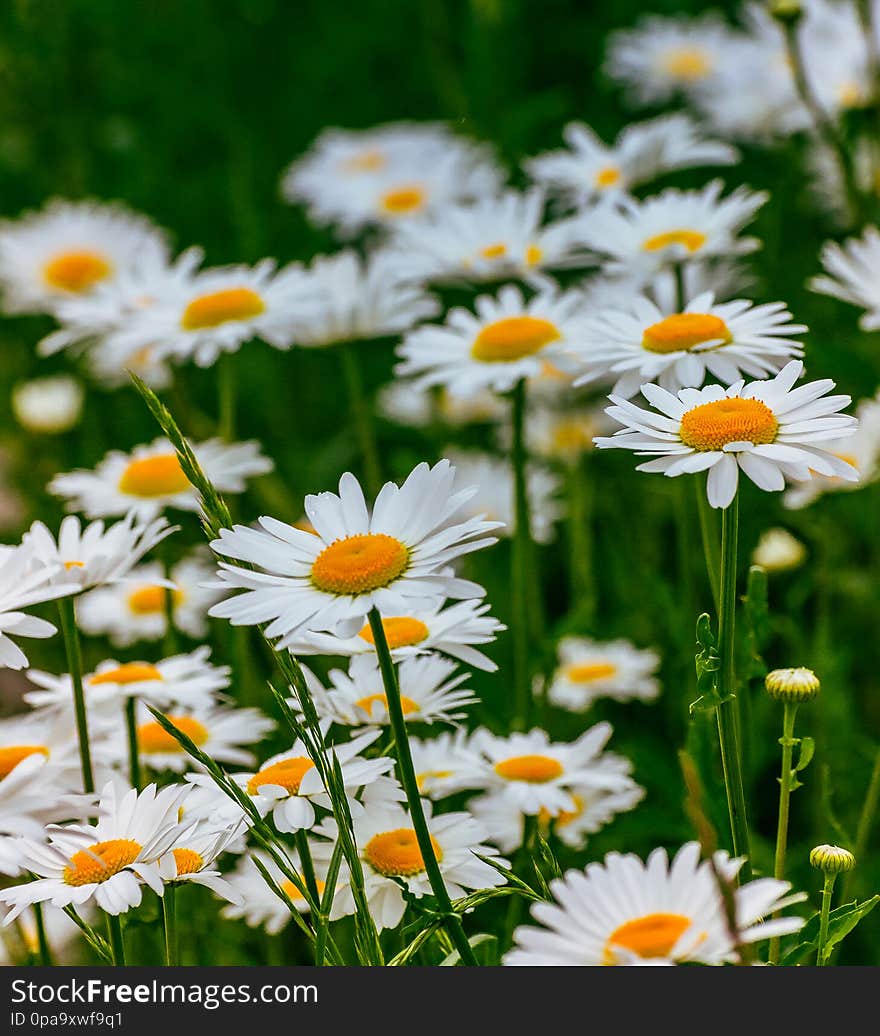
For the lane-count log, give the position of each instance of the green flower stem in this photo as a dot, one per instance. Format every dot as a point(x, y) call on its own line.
point(726, 710)
point(788, 742)
point(42, 939)
point(169, 641)
point(226, 397)
point(169, 923)
point(67, 610)
point(363, 423)
point(580, 542)
point(824, 917)
point(709, 536)
point(134, 758)
point(117, 945)
point(519, 576)
point(301, 841)
point(406, 772)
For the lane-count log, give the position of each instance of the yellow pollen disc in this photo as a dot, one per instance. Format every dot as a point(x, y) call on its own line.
point(188, 861)
point(687, 63)
point(608, 176)
point(682, 331)
point(653, 935)
point(713, 425)
point(587, 672)
point(76, 272)
point(150, 600)
point(73, 564)
point(400, 631)
point(292, 892)
point(534, 255)
point(287, 774)
point(130, 672)
point(546, 818)
point(431, 774)
point(150, 477)
point(493, 251)
point(365, 162)
point(396, 854)
point(407, 705)
point(100, 861)
point(219, 307)
point(692, 240)
point(513, 338)
point(152, 738)
point(359, 564)
point(12, 755)
point(536, 769)
point(573, 435)
point(403, 201)
point(850, 95)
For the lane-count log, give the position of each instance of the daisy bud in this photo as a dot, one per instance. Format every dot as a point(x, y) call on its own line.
point(792, 686)
point(788, 12)
point(831, 859)
point(778, 551)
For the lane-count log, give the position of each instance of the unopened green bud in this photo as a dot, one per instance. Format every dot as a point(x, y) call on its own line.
point(786, 11)
point(831, 859)
point(792, 686)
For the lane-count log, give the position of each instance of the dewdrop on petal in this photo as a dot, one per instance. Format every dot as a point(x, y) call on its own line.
point(832, 859)
point(792, 686)
point(778, 551)
point(48, 406)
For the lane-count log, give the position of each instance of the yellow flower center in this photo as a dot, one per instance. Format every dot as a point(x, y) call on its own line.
point(150, 477)
point(534, 255)
point(513, 338)
point(100, 861)
point(850, 95)
point(365, 162)
point(431, 775)
point(76, 271)
point(287, 774)
point(219, 307)
point(74, 564)
point(608, 176)
point(682, 331)
point(403, 200)
point(688, 63)
point(152, 738)
point(150, 600)
point(129, 672)
point(588, 672)
point(188, 861)
point(692, 240)
point(400, 631)
point(359, 564)
point(493, 251)
point(12, 755)
point(546, 818)
point(713, 425)
point(407, 705)
point(536, 769)
point(293, 893)
point(653, 935)
point(396, 854)
point(573, 436)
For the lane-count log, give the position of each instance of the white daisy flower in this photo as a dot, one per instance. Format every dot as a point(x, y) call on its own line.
point(108, 863)
point(95, 555)
point(445, 763)
point(187, 680)
point(24, 581)
point(663, 57)
point(495, 496)
point(69, 248)
point(48, 406)
point(430, 692)
point(534, 773)
point(393, 559)
point(677, 349)
point(207, 802)
point(256, 903)
point(589, 169)
point(860, 450)
point(778, 551)
point(490, 239)
point(136, 609)
point(361, 299)
point(390, 855)
point(218, 731)
point(561, 435)
point(451, 631)
point(769, 429)
point(505, 340)
point(193, 856)
point(62, 934)
point(624, 911)
point(589, 670)
point(289, 786)
point(218, 309)
point(150, 478)
point(852, 273)
point(643, 236)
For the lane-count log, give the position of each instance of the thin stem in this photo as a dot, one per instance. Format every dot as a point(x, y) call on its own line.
point(301, 842)
point(519, 576)
point(117, 946)
point(726, 711)
point(866, 822)
point(363, 422)
point(169, 921)
point(134, 758)
point(514, 909)
point(824, 917)
point(406, 772)
point(169, 641)
point(788, 742)
point(580, 537)
point(708, 534)
point(42, 938)
point(226, 397)
point(67, 611)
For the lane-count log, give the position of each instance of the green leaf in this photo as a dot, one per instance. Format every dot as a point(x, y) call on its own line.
point(489, 951)
point(841, 922)
point(805, 753)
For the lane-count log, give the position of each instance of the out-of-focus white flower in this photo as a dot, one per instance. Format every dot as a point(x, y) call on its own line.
point(48, 406)
point(778, 551)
